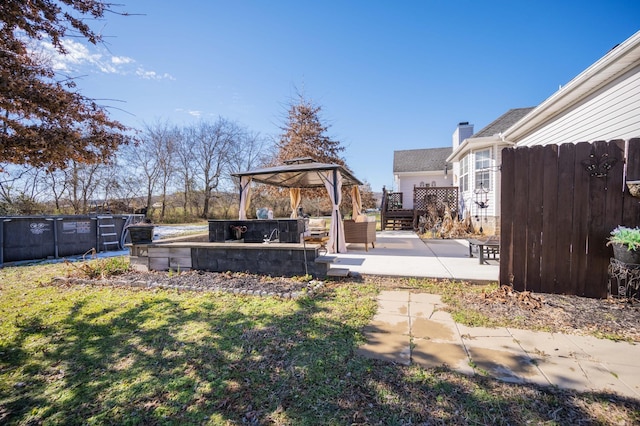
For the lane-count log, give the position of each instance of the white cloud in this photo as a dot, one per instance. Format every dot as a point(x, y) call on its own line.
point(152, 75)
point(195, 113)
point(79, 57)
point(119, 60)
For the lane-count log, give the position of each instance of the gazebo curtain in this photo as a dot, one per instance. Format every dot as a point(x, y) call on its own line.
point(294, 198)
point(333, 182)
point(356, 201)
point(245, 196)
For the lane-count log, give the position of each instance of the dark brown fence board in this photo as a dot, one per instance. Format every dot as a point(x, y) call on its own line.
point(564, 219)
point(507, 197)
point(580, 219)
point(633, 159)
point(549, 214)
point(614, 201)
point(521, 183)
point(534, 219)
point(597, 212)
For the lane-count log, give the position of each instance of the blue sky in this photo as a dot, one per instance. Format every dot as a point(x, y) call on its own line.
point(389, 75)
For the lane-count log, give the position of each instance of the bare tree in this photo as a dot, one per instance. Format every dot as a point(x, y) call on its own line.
point(162, 139)
point(127, 190)
point(251, 150)
point(212, 142)
point(142, 162)
point(56, 181)
point(185, 161)
point(82, 183)
point(20, 190)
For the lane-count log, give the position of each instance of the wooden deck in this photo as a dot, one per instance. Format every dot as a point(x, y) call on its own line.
point(394, 217)
point(397, 220)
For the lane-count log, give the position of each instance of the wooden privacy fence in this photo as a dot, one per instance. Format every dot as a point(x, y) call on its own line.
point(559, 204)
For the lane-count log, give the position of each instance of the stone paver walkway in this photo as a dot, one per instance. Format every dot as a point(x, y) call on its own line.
point(412, 328)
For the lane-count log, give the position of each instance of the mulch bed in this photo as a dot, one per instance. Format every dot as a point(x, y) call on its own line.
point(231, 282)
point(559, 313)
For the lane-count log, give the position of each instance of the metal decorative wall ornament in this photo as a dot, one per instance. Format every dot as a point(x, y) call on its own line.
point(482, 201)
point(599, 166)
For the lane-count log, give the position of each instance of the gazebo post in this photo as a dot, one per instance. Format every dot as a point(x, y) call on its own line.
point(338, 218)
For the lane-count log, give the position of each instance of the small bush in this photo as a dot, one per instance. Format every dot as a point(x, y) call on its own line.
point(102, 268)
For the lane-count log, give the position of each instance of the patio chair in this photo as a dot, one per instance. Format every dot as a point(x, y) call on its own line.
point(361, 230)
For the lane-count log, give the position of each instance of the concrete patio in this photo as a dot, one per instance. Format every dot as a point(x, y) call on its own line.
point(404, 254)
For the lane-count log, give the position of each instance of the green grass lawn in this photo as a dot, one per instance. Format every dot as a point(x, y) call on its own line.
point(106, 355)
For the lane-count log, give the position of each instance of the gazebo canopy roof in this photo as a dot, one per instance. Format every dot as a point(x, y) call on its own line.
point(299, 173)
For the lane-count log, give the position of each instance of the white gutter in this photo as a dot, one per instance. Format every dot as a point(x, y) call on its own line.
point(474, 143)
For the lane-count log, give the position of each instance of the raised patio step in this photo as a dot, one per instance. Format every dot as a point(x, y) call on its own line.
point(325, 259)
point(338, 272)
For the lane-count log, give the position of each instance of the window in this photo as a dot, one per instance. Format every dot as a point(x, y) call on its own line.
point(483, 169)
point(464, 174)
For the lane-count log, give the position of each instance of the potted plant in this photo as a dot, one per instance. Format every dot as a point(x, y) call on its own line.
point(626, 244)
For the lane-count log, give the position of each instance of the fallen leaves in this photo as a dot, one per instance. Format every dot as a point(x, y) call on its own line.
point(506, 294)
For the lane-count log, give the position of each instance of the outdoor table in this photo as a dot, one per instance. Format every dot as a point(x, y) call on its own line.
point(490, 245)
point(320, 238)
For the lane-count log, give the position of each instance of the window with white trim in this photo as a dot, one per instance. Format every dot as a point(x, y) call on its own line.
point(464, 174)
point(483, 169)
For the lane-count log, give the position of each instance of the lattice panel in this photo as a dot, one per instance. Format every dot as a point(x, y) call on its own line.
point(438, 196)
point(394, 200)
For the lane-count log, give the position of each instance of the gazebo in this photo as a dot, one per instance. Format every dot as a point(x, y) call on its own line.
point(301, 173)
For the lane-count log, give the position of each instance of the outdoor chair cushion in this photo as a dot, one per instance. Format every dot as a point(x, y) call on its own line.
point(364, 218)
point(317, 225)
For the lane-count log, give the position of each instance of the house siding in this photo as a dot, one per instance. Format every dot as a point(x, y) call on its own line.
point(612, 112)
point(468, 198)
point(407, 182)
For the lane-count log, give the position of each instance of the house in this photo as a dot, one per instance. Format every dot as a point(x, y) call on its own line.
point(471, 165)
point(476, 169)
point(601, 103)
point(420, 168)
point(423, 178)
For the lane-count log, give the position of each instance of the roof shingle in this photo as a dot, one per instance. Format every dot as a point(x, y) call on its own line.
point(503, 122)
point(420, 160)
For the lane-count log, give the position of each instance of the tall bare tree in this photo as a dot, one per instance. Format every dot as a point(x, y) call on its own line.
point(83, 181)
point(162, 139)
point(56, 181)
point(143, 163)
point(212, 143)
point(185, 162)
